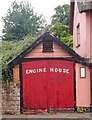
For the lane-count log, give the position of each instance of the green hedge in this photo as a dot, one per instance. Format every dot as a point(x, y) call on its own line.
point(9, 50)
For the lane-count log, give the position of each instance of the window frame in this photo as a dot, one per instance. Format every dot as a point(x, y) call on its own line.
point(82, 72)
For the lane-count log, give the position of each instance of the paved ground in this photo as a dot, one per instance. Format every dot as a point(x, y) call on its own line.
point(54, 116)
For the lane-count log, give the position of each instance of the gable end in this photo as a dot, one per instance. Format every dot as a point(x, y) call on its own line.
point(42, 38)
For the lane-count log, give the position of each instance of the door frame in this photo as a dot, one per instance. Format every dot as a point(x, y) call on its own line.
point(35, 59)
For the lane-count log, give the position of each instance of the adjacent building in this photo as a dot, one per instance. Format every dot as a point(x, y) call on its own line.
point(81, 29)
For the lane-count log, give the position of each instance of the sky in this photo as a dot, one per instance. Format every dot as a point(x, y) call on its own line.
point(44, 7)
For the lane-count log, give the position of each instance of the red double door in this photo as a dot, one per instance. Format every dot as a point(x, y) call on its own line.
point(48, 83)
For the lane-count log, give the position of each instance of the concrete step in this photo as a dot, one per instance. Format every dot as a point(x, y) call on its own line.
point(57, 116)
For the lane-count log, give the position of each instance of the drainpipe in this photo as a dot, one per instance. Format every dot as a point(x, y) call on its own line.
point(91, 86)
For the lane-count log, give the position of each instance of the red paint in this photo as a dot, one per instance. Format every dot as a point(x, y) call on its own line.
point(48, 89)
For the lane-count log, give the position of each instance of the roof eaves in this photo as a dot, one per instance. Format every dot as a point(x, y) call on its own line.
point(20, 56)
point(52, 37)
point(69, 50)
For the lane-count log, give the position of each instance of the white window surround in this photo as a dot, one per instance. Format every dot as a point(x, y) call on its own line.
point(82, 72)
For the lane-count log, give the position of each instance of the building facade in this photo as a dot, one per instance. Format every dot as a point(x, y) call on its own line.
point(81, 29)
point(50, 75)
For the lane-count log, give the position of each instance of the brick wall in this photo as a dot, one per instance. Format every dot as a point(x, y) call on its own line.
point(10, 98)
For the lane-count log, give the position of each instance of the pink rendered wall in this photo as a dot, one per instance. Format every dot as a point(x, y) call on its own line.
point(89, 34)
point(80, 18)
point(82, 87)
point(84, 50)
point(85, 21)
point(91, 37)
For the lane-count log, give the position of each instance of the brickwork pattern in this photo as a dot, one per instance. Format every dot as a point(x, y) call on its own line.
point(10, 98)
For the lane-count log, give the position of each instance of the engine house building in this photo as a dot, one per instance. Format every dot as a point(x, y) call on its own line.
point(53, 76)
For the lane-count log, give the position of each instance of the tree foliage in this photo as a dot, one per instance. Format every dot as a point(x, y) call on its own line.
point(62, 32)
point(61, 14)
point(11, 49)
point(60, 24)
point(21, 20)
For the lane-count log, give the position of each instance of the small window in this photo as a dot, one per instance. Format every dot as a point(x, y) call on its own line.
point(78, 35)
point(82, 72)
point(47, 46)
